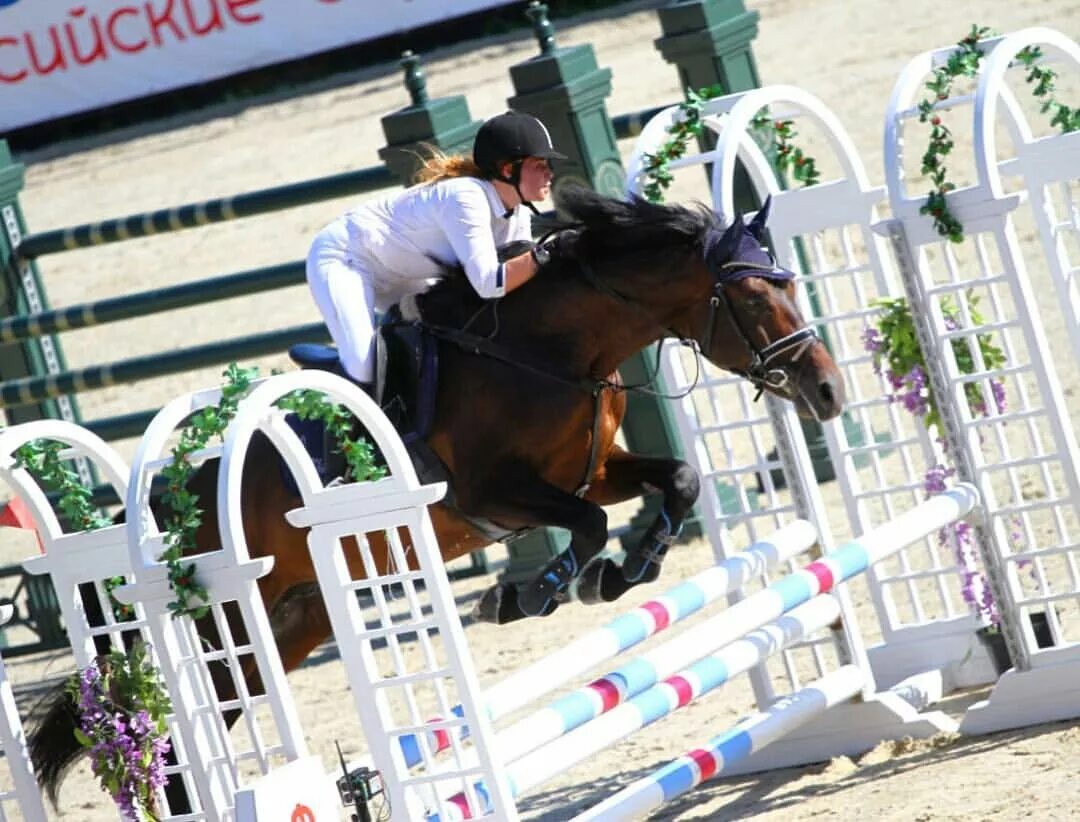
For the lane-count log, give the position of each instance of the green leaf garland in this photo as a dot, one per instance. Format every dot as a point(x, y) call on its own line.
point(359, 453)
point(183, 515)
point(42, 459)
point(775, 134)
point(183, 523)
point(790, 159)
point(965, 62)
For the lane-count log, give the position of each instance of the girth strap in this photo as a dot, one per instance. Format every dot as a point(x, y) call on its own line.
point(594, 446)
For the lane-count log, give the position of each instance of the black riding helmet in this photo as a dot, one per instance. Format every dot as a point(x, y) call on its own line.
point(512, 137)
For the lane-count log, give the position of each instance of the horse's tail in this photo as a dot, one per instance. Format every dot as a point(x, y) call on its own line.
point(53, 720)
point(51, 739)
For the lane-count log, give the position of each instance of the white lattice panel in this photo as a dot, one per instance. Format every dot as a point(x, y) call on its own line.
point(89, 557)
point(234, 707)
point(751, 453)
point(1009, 424)
point(390, 605)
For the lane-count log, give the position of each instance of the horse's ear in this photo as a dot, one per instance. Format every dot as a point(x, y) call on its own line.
point(757, 225)
point(730, 239)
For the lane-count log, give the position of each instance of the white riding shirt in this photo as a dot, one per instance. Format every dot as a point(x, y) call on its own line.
point(377, 253)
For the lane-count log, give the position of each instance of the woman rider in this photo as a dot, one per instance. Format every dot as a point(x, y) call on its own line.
point(459, 213)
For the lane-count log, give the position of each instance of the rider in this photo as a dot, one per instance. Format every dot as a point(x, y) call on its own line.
point(460, 212)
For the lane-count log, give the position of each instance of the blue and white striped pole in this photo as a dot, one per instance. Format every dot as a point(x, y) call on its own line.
point(751, 613)
point(749, 736)
point(619, 635)
point(782, 596)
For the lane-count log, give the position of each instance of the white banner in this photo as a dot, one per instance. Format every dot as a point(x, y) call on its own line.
point(59, 57)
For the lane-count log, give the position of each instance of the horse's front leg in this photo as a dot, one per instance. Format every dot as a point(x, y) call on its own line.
point(532, 502)
point(625, 476)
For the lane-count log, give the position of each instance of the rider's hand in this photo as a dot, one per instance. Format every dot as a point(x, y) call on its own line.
point(540, 255)
point(543, 251)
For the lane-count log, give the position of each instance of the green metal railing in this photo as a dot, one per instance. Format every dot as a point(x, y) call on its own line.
point(85, 315)
point(194, 215)
point(31, 389)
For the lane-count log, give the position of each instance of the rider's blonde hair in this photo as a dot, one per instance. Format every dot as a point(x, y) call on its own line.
point(438, 165)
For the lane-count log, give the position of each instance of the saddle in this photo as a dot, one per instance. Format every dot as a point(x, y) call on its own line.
point(407, 367)
point(405, 388)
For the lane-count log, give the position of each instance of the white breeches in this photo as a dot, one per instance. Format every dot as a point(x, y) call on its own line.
point(345, 295)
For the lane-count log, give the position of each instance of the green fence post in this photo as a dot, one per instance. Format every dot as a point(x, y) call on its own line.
point(444, 123)
point(709, 42)
point(565, 88)
point(23, 293)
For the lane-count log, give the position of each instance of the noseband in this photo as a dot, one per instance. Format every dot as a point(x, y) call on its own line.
point(760, 373)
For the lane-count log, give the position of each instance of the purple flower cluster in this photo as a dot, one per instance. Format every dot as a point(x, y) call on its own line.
point(974, 588)
point(913, 391)
point(997, 391)
point(915, 394)
point(934, 481)
point(127, 750)
point(875, 344)
point(973, 585)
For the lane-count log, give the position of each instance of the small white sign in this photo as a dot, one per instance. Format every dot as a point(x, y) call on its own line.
point(301, 791)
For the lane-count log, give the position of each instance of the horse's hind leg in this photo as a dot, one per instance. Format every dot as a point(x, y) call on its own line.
point(626, 476)
point(536, 503)
point(299, 623)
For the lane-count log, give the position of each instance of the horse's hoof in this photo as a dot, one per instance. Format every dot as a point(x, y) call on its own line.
point(601, 581)
point(499, 605)
point(490, 604)
point(532, 602)
point(638, 570)
point(643, 564)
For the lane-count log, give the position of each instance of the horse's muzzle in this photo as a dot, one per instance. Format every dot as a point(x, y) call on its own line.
point(821, 393)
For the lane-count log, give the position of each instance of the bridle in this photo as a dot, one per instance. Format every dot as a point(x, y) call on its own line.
point(761, 373)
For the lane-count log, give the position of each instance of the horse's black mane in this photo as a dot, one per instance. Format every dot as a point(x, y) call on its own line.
point(594, 228)
point(611, 226)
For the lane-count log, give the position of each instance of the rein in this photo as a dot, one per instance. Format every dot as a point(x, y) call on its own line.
point(476, 344)
point(759, 373)
point(647, 386)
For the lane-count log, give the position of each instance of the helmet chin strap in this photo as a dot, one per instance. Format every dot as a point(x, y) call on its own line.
point(515, 180)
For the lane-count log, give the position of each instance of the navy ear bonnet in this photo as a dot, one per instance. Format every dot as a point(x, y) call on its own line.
point(737, 253)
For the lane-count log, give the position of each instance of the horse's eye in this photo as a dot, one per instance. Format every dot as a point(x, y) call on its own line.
point(756, 303)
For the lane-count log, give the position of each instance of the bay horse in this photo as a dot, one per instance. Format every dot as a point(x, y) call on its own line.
point(529, 402)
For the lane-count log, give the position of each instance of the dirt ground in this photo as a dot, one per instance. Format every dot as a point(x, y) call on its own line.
point(846, 53)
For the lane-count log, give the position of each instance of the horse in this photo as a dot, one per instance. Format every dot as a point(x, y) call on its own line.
point(528, 404)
